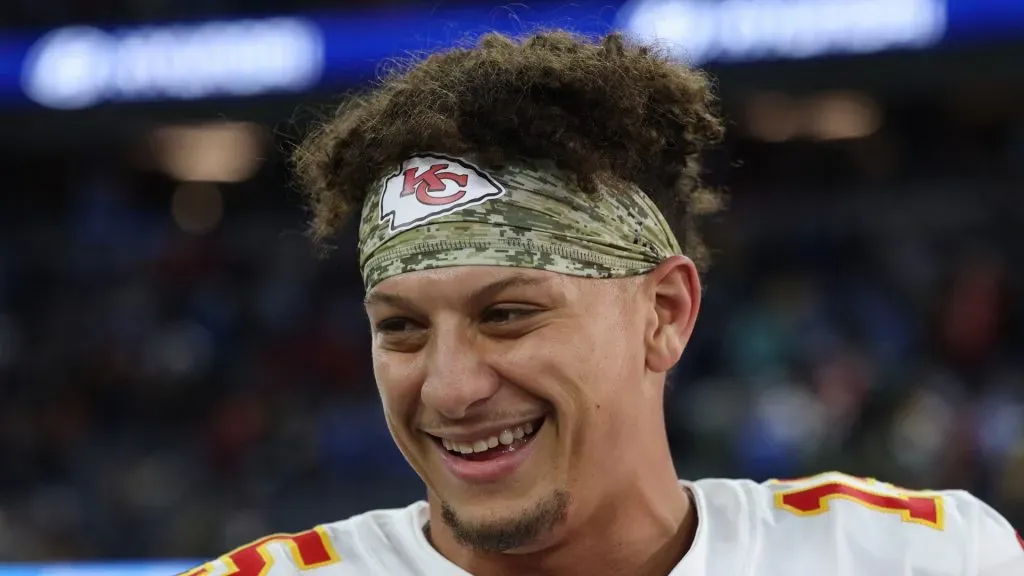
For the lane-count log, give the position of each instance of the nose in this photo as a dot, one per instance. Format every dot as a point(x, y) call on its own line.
point(458, 376)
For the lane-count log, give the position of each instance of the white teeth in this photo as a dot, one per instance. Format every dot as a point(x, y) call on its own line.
point(506, 438)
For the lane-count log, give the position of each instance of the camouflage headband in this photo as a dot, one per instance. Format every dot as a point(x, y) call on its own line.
point(438, 211)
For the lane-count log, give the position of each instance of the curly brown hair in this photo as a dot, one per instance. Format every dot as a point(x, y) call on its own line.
point(607, 111)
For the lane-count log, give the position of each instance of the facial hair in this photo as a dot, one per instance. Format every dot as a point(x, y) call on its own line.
point(504, 534)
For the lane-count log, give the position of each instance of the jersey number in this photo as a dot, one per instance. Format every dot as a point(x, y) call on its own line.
point(310, 549)
point(915, 507)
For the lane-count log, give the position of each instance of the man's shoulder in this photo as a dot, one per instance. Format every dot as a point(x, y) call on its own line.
point(367, 543)
point(832, 516)
point(845, 500)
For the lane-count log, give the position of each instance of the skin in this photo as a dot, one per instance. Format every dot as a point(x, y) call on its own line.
point(461, 347)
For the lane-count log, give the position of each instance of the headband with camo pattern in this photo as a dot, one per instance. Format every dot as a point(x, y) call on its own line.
point(438, 211)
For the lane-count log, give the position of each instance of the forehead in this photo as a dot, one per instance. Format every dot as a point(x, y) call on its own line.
point(464, 281)
point(460, 284)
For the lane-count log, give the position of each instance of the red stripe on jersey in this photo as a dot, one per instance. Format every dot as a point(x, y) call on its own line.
point(314, 549)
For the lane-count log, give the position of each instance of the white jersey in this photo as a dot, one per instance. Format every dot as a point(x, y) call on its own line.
point(827, 524)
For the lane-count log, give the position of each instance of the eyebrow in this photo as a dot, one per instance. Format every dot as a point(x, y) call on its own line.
point(485, 292)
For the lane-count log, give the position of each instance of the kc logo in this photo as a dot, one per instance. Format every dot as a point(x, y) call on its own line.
point(427, 187)
point(433, 180)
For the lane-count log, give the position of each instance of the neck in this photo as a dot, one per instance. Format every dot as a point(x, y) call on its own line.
point(644, 527)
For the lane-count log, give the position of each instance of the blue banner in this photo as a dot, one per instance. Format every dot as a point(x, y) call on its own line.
point(155, 568)
point(79, 66)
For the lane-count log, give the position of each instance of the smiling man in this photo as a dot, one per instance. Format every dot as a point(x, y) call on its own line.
point(527, 296)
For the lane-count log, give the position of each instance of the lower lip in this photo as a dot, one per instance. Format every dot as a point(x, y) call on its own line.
point(486, 471)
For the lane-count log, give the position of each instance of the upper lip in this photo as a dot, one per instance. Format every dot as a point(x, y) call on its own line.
point(474, 433)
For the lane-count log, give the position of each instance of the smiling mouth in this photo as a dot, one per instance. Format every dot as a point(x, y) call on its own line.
point(508, 441)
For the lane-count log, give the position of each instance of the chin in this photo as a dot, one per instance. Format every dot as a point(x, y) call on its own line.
point(511, 528)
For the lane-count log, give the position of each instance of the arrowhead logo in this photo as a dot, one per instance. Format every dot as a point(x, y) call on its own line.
point(426, 187)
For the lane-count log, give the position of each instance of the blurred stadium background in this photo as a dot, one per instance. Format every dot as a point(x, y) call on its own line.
point(178, 374)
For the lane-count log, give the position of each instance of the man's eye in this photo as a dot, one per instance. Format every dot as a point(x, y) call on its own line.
point(505, 315)
point(394, 325)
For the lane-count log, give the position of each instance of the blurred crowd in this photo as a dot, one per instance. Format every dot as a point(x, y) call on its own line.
point(32, 14)
point(166, 392)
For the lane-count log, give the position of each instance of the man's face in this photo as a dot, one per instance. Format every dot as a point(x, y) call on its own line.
point(512, 392)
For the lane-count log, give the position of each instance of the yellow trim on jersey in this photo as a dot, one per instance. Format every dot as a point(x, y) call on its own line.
point(862, 494)
point(261, 547)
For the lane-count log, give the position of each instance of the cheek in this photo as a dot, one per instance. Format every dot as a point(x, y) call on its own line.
point(396, 383)
point(613, 358)
point(575, 365)
point(399, 396)
point(609, 366)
